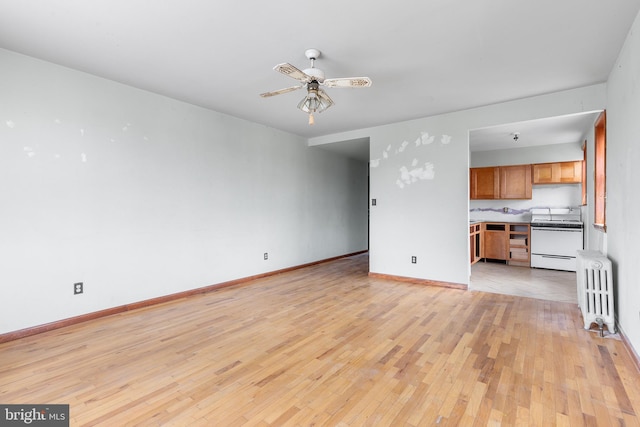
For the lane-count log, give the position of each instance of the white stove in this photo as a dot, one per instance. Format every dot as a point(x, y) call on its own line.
point(556, 238)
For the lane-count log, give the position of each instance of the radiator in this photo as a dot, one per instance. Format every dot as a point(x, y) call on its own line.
point(595, 290)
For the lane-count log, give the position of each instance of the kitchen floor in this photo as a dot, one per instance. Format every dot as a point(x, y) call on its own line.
point(537, 283)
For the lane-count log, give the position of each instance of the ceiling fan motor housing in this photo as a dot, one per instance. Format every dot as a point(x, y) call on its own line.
point(315, 73)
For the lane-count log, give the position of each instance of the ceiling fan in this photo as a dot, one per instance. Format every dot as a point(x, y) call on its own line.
point(312, 78)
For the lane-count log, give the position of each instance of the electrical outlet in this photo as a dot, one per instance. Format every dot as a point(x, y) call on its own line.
point(414, 260)
point(266, 255)
point(78, 288)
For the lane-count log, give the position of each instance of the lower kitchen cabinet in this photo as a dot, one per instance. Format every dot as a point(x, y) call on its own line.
point(519, 237)
point(509, 242)
point(494, 241)
point(475, 242)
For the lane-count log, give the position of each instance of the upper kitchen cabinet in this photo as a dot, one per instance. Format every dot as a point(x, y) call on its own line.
point(558, 173)
point(501, 182)
point(515, 182)
point(485, 183)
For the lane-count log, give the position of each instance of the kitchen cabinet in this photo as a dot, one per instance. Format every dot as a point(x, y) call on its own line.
point(519, 237)
point(557, 173)
point(509, 242)
point(494, 241)
point(485, 183)
point(500, 182)
point(475, 242)
point(515, 182)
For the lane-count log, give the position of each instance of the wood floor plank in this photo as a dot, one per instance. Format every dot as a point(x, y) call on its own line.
point(329, 345)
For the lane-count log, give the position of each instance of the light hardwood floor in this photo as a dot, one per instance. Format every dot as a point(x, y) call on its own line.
point(328, 345)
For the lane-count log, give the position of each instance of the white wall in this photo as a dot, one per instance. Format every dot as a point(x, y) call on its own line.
point(139, 196)
point(623, 180)
point(428, 217)
point(527, 155)
point(414, 167)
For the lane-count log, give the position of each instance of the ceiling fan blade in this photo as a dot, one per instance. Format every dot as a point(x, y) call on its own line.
point(293, 72)
point(281, 91)
point(348, 82)
point(324, 97)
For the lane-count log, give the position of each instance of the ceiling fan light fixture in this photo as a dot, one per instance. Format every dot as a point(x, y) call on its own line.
point(312, 103)
point(315, 101)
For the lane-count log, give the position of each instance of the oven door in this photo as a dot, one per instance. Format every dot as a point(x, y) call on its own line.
point(555, 248)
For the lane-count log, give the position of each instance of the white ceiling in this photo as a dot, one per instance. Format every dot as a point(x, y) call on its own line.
point(425, 57)
point(553, 130)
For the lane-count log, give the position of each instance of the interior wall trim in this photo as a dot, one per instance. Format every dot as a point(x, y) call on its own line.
point(419, 281)
point(22, 333)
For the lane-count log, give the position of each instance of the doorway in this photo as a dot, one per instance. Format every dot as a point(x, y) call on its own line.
point(553, 139)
